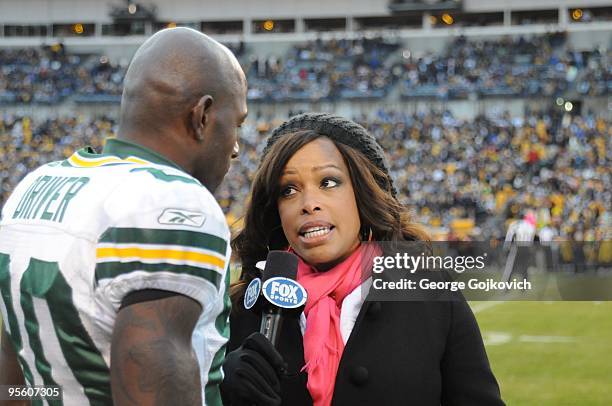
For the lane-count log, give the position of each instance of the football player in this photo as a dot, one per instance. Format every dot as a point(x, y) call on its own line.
point(114, 266)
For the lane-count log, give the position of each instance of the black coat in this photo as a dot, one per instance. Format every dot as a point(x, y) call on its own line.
point(398, 353)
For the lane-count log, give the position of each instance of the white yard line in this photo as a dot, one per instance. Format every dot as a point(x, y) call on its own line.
point(502, 337)
point(479, 307)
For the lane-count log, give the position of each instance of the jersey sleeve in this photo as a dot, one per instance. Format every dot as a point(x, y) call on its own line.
point(165, 232)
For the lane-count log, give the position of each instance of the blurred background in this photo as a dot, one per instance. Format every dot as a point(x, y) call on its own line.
point(488, 110)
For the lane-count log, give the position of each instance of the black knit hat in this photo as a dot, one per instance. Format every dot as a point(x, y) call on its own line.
point(338, 129)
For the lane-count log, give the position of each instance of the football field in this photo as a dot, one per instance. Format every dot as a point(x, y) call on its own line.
point(549, 353)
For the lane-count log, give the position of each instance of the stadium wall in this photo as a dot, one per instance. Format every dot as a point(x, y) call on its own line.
point(52, 11)
point(494, 5)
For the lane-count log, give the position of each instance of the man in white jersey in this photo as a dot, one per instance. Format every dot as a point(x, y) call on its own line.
point(519, 239)
point(114, 266)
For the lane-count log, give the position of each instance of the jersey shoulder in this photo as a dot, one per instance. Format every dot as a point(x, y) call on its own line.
point(158, 195)
point(164, 231)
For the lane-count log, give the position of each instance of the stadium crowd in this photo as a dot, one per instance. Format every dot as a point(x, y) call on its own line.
point(33, 75)
point(26, 144)
point(519, 66)
point(338, 69)
point(50, 74)
point(490, 170)
point(495, 169)
point(319, 69)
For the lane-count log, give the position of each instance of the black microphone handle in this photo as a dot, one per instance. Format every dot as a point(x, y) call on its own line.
point(271, 323)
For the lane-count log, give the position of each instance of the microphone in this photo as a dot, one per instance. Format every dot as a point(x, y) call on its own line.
point(282, 293)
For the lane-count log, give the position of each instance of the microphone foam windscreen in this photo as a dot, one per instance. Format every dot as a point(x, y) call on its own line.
point(280, 263)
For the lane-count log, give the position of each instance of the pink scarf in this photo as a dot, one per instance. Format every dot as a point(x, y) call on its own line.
point(326, 291)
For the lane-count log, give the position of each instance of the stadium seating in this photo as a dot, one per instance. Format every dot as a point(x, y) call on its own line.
point(365, 68)
point(510, 67)
point(488, 169)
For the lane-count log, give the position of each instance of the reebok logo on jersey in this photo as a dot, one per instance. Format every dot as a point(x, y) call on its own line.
point(182, 217)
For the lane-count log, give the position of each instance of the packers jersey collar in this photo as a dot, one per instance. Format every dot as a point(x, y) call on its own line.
point(124, 149)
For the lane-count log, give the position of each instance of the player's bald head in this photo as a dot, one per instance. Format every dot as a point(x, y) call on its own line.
point(170, 72)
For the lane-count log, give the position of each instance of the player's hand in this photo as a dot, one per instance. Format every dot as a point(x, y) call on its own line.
point(252, 373)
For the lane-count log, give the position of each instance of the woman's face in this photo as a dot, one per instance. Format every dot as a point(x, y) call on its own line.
point(317, 205)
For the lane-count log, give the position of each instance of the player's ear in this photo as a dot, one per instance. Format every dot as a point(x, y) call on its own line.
point(200, 116)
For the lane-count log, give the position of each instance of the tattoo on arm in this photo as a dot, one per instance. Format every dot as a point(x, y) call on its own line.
point(152, 361)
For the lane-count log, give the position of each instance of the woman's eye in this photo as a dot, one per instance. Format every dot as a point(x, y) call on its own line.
point(329, 183)
point(287, 191)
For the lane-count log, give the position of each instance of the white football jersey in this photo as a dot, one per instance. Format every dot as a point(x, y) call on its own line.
point(521, 232)
point(77, 236)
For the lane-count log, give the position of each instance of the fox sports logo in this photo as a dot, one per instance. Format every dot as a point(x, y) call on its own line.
point(284, 292)
point(252, 293)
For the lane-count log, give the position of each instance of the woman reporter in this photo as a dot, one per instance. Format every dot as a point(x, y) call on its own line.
point(321, 190)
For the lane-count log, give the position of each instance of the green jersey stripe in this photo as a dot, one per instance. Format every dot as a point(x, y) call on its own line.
point(7, 297)
point(114, 269)
point(33, 329)
point(45, 281)
point(186, 238)
point(161, 175)
point(215, 374)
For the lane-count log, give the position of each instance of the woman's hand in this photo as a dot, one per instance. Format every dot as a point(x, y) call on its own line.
point(252, 373)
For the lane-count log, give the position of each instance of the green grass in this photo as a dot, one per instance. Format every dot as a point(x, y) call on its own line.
point(575, 370)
